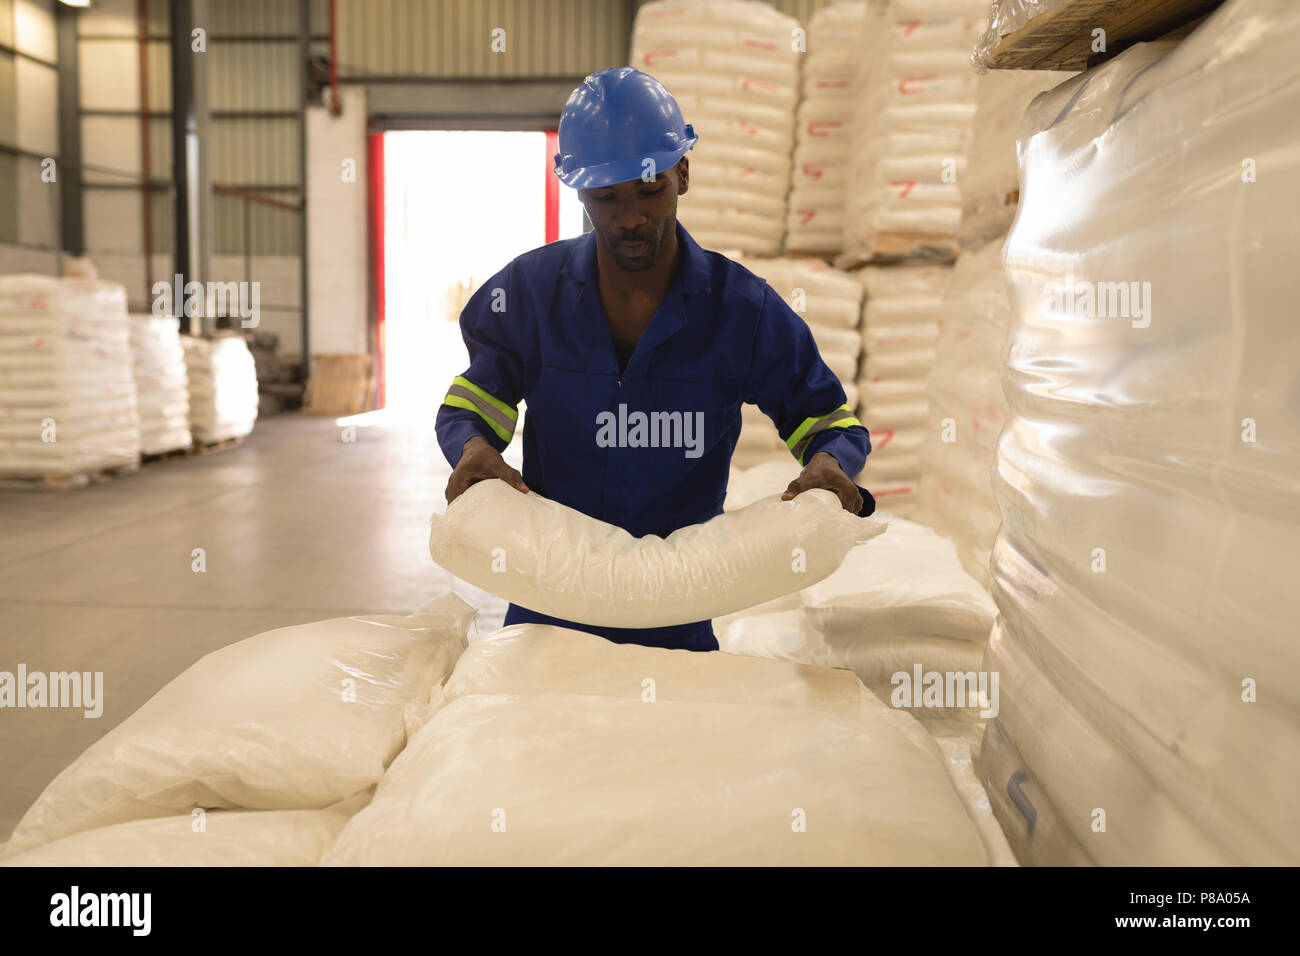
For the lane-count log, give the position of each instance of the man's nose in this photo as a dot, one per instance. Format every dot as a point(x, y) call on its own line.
point(630, 217)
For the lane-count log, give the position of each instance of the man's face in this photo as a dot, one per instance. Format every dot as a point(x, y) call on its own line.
point(634, 220)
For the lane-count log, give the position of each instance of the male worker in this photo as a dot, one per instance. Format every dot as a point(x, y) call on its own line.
point(635, 349)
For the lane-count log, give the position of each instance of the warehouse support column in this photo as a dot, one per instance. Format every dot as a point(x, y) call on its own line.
point(191, 121)
point(72, 233)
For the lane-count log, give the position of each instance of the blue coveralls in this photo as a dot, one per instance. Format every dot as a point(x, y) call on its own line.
point(537, 331)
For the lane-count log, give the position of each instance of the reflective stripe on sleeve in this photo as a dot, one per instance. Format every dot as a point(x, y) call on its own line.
point(501, 418)
point(842, 417)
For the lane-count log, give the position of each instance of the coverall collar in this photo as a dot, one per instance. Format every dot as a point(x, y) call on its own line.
point(693, 275)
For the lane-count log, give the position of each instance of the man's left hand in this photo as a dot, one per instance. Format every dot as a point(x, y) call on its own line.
point(825, 472)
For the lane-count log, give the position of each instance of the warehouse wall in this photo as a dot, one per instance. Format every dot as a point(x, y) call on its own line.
point(29, 206)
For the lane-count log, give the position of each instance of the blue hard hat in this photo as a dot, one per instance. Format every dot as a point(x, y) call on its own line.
point(612, 123)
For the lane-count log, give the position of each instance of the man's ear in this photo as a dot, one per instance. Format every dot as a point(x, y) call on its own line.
point(683, 175)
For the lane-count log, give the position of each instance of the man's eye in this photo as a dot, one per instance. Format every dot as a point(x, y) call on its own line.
point(652, 192)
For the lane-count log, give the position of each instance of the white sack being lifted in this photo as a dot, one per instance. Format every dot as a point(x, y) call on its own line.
point(549, 558)
point(293, 719)
point(561, 748)
point(1148, 473)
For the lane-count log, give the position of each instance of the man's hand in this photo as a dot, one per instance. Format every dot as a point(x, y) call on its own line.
point(825, 472)
point(479, 460)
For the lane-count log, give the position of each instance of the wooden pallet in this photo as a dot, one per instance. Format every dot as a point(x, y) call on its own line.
point(183, 452)
point(60, 482)
point(894, 247)
point(213, 447)
point(342, 385)
point(1061, 38)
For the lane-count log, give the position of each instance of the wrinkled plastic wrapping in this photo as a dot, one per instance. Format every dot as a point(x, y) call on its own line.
point(815, 222)
point(1148, 474)
point(227, 838)
point(295, 718)
point(732, 67)
point(915, 96)
point(67, 396)
point(623, 755)
point(222, 385)
point(900, 329)
point(990, 189)
point(161, 383)
point(552, 559)
point(966, 410)
point(830, 301)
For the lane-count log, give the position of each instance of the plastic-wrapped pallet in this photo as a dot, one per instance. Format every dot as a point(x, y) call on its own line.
point(822, 133)
point(67, 395)
point(900, 328)
point(223, 387)
point(830, 301)
point(991, 186)
point(915, 92)
point(733, 67)
point(967, 410)
point(1147, 476)
point(161, 383)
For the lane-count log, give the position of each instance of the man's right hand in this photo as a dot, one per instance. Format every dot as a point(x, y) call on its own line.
point(479, 460)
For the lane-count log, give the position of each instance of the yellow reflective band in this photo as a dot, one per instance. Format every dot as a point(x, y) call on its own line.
point(802, 436)
point(501, 418)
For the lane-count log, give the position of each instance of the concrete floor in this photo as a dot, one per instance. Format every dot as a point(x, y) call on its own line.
point(297, 526)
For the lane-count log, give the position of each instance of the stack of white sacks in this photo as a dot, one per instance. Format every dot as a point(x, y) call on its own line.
point(67, 396)
point(830, 301)
point(815, 222)
point(223, 387)
point(900, 330)
point(915, 96)
point(967, 407)
point(161, 382)
point(1147, 475)
point(733, 67)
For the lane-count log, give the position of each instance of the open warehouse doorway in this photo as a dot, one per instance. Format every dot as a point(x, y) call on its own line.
point(455, 207)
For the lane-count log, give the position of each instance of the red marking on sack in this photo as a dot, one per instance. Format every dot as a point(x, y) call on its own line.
point(749, 129)
point(826, 124)
point(762, 45)
point(831, 84)
point(39, 343)
point(909, 26)
point(906, 185)
point(652, 55)
point(888, 436)
point(805, 215)
point(759, 85)
point(748, 170)
point(914, 84)
point(891, 491)
point(811, 171)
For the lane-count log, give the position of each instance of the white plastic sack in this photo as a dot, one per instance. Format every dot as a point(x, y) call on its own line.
point(612, 776)
point(296, 718)
point(907, 582)
point(555, 560)
point(228, 838)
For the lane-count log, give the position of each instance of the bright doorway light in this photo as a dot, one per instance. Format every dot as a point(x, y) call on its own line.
point(458, 206)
